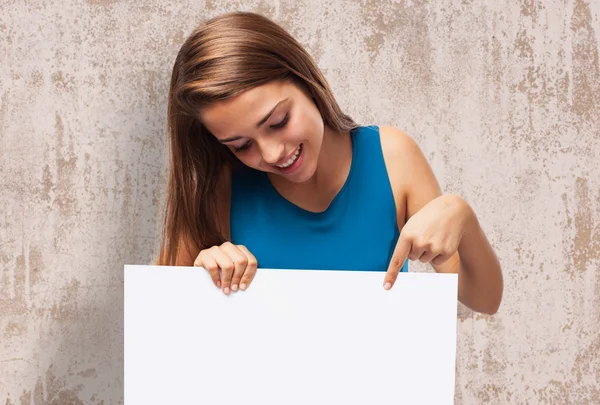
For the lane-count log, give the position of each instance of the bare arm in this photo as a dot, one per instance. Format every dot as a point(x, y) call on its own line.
point(480, 283)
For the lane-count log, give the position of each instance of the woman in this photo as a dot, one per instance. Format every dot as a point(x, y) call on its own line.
point(267, 170)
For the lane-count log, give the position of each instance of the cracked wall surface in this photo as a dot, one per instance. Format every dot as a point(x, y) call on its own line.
point(503, 97)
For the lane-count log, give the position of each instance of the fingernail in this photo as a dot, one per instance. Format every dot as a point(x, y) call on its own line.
point(387, 285)
point(243, 287)
point(226, 290)
point(219, 284)
point(234, 287)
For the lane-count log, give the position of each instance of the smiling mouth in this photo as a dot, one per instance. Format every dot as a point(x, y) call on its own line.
point(292, 159)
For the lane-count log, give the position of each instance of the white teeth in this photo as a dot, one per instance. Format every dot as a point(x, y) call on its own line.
point(292, 159)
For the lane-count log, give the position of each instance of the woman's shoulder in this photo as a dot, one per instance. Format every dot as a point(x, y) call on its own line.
point(408, 170)
point(396, 142)
point(401, 152)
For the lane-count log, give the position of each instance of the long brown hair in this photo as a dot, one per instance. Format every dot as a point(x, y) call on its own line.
point(220, 59)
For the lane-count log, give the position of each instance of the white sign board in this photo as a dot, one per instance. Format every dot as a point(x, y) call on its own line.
point(293, 337)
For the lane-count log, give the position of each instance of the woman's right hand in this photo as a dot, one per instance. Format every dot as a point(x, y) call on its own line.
point(230, 266)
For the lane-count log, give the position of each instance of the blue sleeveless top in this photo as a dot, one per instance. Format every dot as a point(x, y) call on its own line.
point(358, 231)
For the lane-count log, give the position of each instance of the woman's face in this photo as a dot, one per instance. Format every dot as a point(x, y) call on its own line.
point(275, 128)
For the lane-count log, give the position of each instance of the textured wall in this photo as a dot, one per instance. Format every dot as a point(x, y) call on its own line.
point(504, 98)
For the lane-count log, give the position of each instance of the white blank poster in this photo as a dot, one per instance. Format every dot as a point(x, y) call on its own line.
point(294, 337)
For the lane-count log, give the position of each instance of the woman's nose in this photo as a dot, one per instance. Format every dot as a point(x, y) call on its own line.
point(272, 151)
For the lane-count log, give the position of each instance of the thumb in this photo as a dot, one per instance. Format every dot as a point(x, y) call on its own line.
point(397, 261)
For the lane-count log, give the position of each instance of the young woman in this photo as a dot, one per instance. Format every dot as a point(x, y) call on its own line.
point(266, 170)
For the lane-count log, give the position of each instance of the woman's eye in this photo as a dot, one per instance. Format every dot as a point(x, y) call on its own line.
point(282, 123)
point(243, 147)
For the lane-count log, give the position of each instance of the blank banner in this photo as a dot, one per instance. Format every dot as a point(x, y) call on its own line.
point(294, 337)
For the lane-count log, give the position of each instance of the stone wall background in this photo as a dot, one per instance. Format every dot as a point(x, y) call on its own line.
point(503, 97)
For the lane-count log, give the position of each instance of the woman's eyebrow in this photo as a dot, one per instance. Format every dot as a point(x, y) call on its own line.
point(266, 117)
point(261, 122)
point(234, 138)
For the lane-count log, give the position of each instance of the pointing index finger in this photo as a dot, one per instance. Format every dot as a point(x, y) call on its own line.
point(397, 261)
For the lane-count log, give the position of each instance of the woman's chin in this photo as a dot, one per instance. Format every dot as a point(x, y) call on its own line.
point(301, 176)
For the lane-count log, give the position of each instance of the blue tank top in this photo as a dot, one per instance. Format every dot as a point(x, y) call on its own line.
point(358, 231)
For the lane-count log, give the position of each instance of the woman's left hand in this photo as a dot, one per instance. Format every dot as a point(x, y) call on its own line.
point(432, 235)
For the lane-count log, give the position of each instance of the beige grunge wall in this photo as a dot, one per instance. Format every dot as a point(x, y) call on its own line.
point(504, 98)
